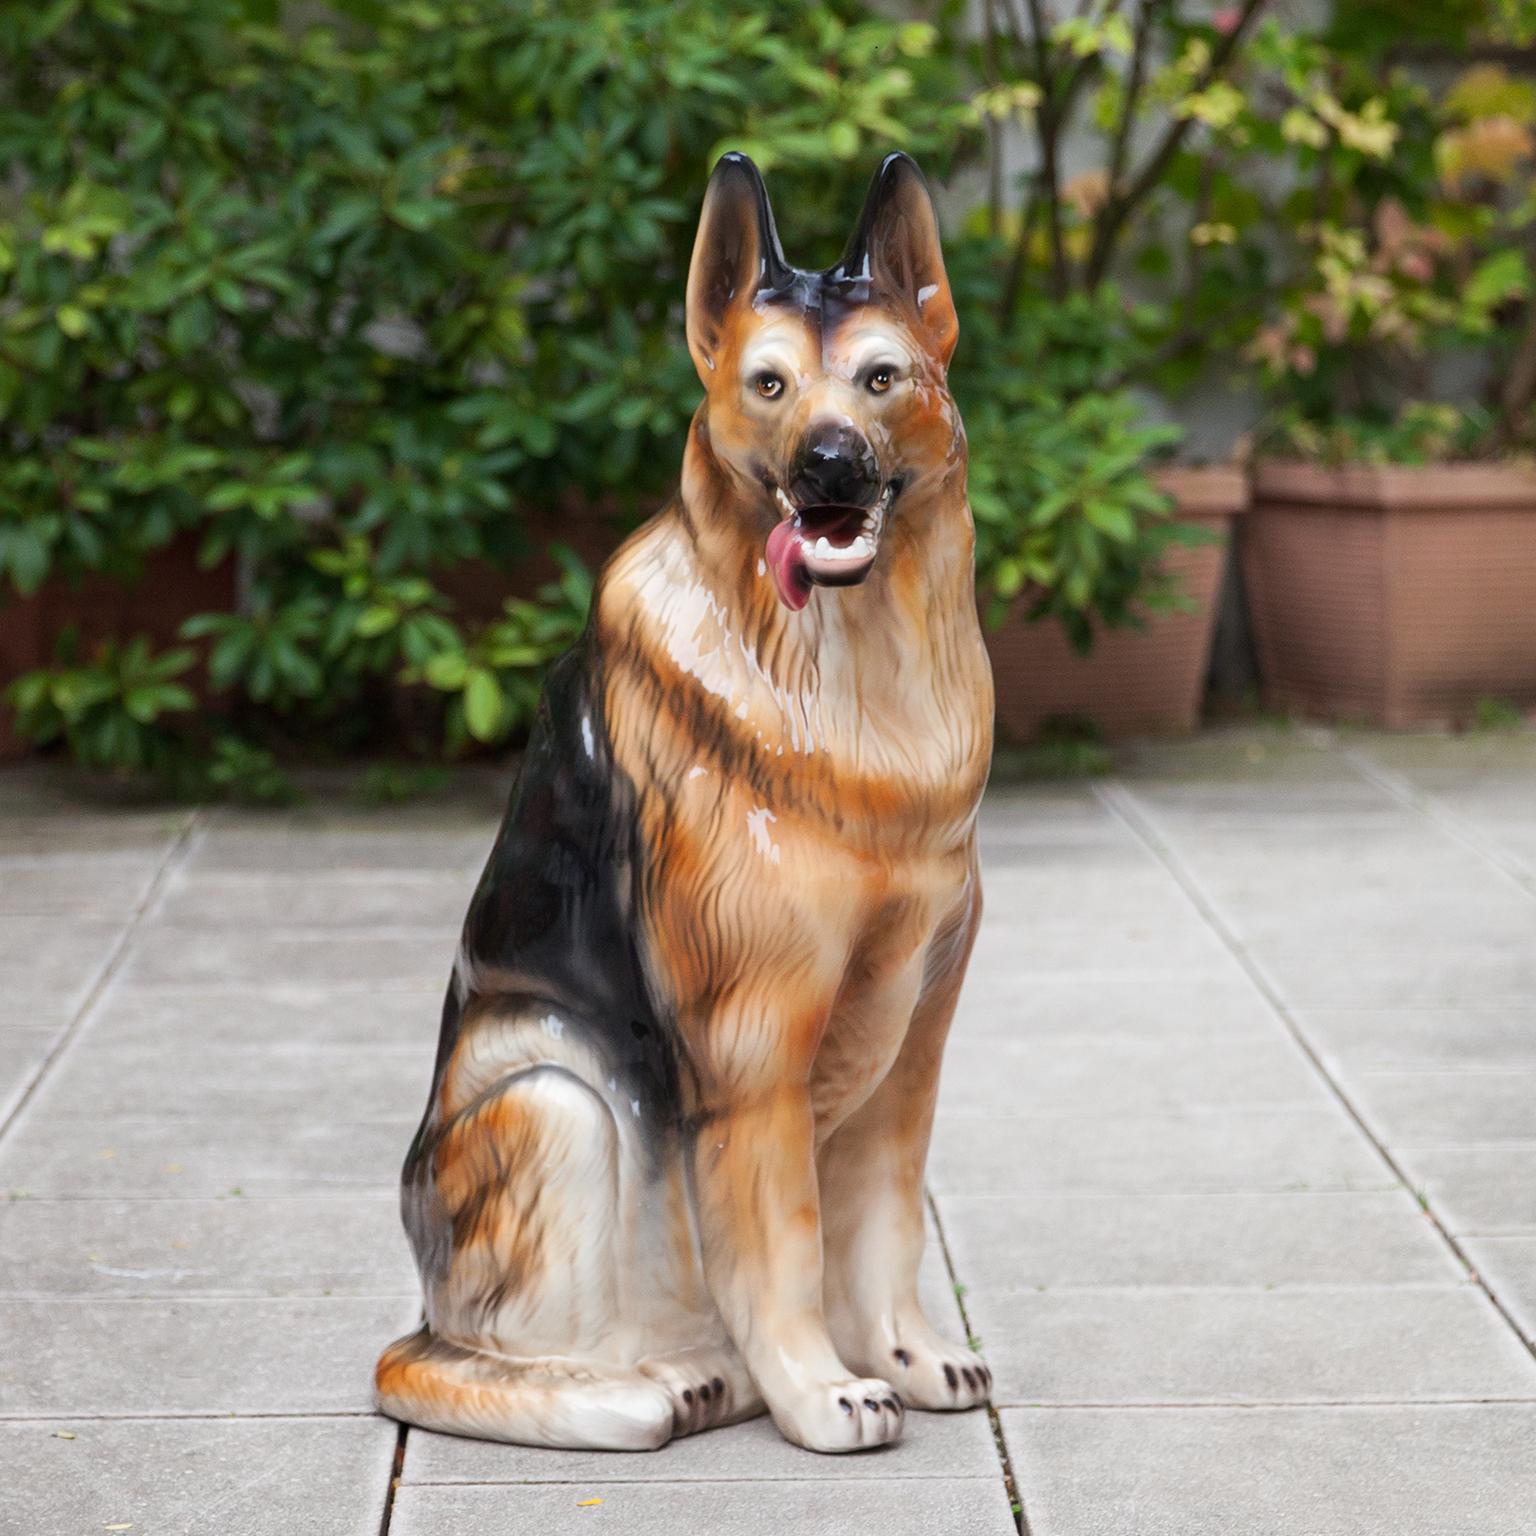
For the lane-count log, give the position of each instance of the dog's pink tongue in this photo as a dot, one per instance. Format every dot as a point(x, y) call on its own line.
point(784, 561)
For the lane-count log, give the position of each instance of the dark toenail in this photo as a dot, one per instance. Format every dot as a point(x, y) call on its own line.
point(704, 1392)
point(970, 1377)
point(718, 1385)
point(845, 1405)
point(872, 1405)
point(951, 1378)
point(903, 1358)
point(687, 1394)
point(890, 1402)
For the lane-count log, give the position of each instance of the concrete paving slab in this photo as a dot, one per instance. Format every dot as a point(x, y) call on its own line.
point(62, 887)
point(1127, 1074)
point(1131, 897)
point(23, 1049)
point(300, 1083)
point(1210, 1151)
point(23, 1008)
point(934, 1445)
point(1259, 753)
point(359, 899)
point(172, 957)
point(247, 1355)
point(105, 838)
point(932, 1506)
point(148, 1156)
point(1389, 1471)
point(1018, 947)
point(41, 953)
point(162, 1477)
point(1087, 1006)
point(254, 845)
point(1448, 1108)
point(1239, 1346)
point(1282, 865)
point(1119, 1124)
point(1407, 1039)
point(1350, 975)
point(1484, 914)
point(1053, 1241)
point(1478, 1188)
point(401, 1019)
point(1471, 762)
point(1508, 1267)
point(280, 1247)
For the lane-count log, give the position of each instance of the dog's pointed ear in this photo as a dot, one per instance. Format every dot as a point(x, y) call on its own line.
point(896, 247)
point(735, 253)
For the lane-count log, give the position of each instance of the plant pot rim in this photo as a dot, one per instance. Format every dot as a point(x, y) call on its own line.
point(1447, 487)
point(1205, 489)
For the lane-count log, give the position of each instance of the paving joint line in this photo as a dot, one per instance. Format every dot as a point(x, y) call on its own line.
point(1011, 1487)
point(1253, 1404)
point(174, 854)
point(1430, 808)
point(690, 1482)
point(1122, 803)
point(396, 1472)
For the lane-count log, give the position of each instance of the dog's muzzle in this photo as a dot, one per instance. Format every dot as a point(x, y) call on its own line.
point(823, 545)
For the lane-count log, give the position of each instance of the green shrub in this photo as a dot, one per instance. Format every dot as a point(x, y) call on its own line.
point(346, 291)
point(341, 292)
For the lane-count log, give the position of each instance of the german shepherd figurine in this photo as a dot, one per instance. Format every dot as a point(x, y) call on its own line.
point(671, 1169)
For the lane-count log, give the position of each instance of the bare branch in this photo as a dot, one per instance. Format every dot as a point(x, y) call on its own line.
point(1135, 77)
point(1047, 127)
point(1122, 205)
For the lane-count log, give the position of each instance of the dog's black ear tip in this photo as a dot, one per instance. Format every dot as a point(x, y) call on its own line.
point(899, 162)
point(741, 164)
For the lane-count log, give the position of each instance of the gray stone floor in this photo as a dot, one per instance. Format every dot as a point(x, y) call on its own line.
point(1235, 1176)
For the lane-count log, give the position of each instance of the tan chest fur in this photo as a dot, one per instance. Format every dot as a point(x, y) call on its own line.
point(808, 786)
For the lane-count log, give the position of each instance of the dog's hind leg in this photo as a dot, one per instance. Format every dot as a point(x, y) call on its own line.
point(515, 1205)
point(709, 1386)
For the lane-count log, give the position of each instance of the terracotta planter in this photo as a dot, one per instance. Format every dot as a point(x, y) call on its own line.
point(170, 590)
point(1134, 682)
point(1397, 596)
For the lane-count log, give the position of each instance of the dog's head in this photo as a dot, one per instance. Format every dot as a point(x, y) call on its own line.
point(826, 403)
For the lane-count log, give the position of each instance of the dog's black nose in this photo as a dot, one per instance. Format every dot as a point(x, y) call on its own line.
point(835, 466)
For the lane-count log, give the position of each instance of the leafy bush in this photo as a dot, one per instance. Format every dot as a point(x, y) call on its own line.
point(352, 294)
point(341, 293)
point(1412, 244)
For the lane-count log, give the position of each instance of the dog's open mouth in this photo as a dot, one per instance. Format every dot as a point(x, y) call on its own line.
point(827, 546)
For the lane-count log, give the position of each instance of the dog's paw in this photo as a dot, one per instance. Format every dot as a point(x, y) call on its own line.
point(708, 1387)
point(931, 1373)
point(843, 1416)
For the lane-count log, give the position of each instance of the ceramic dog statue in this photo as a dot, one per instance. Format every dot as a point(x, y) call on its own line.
point(671, 1169)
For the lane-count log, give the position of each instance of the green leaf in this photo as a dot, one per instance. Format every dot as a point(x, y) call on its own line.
point(483, 704)
point(1501, 276)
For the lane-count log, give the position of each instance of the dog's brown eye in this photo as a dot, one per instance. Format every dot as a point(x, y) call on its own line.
point(769, 385)
point(881, 380)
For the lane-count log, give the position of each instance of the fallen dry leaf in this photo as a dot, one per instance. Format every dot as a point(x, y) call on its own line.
point(63, 1434)
point(587, 1503)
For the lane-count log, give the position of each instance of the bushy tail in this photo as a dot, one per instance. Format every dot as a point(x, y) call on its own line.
point(426, 1381)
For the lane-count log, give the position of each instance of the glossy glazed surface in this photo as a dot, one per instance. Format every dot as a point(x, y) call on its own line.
point(671, 1168)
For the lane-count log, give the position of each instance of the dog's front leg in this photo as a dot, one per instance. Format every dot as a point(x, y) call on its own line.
point(871, 1180)
point(760, 1227)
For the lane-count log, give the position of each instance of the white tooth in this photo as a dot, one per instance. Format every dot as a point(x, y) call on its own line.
point(861, 548)
point(784, 501)
point(824, 548)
